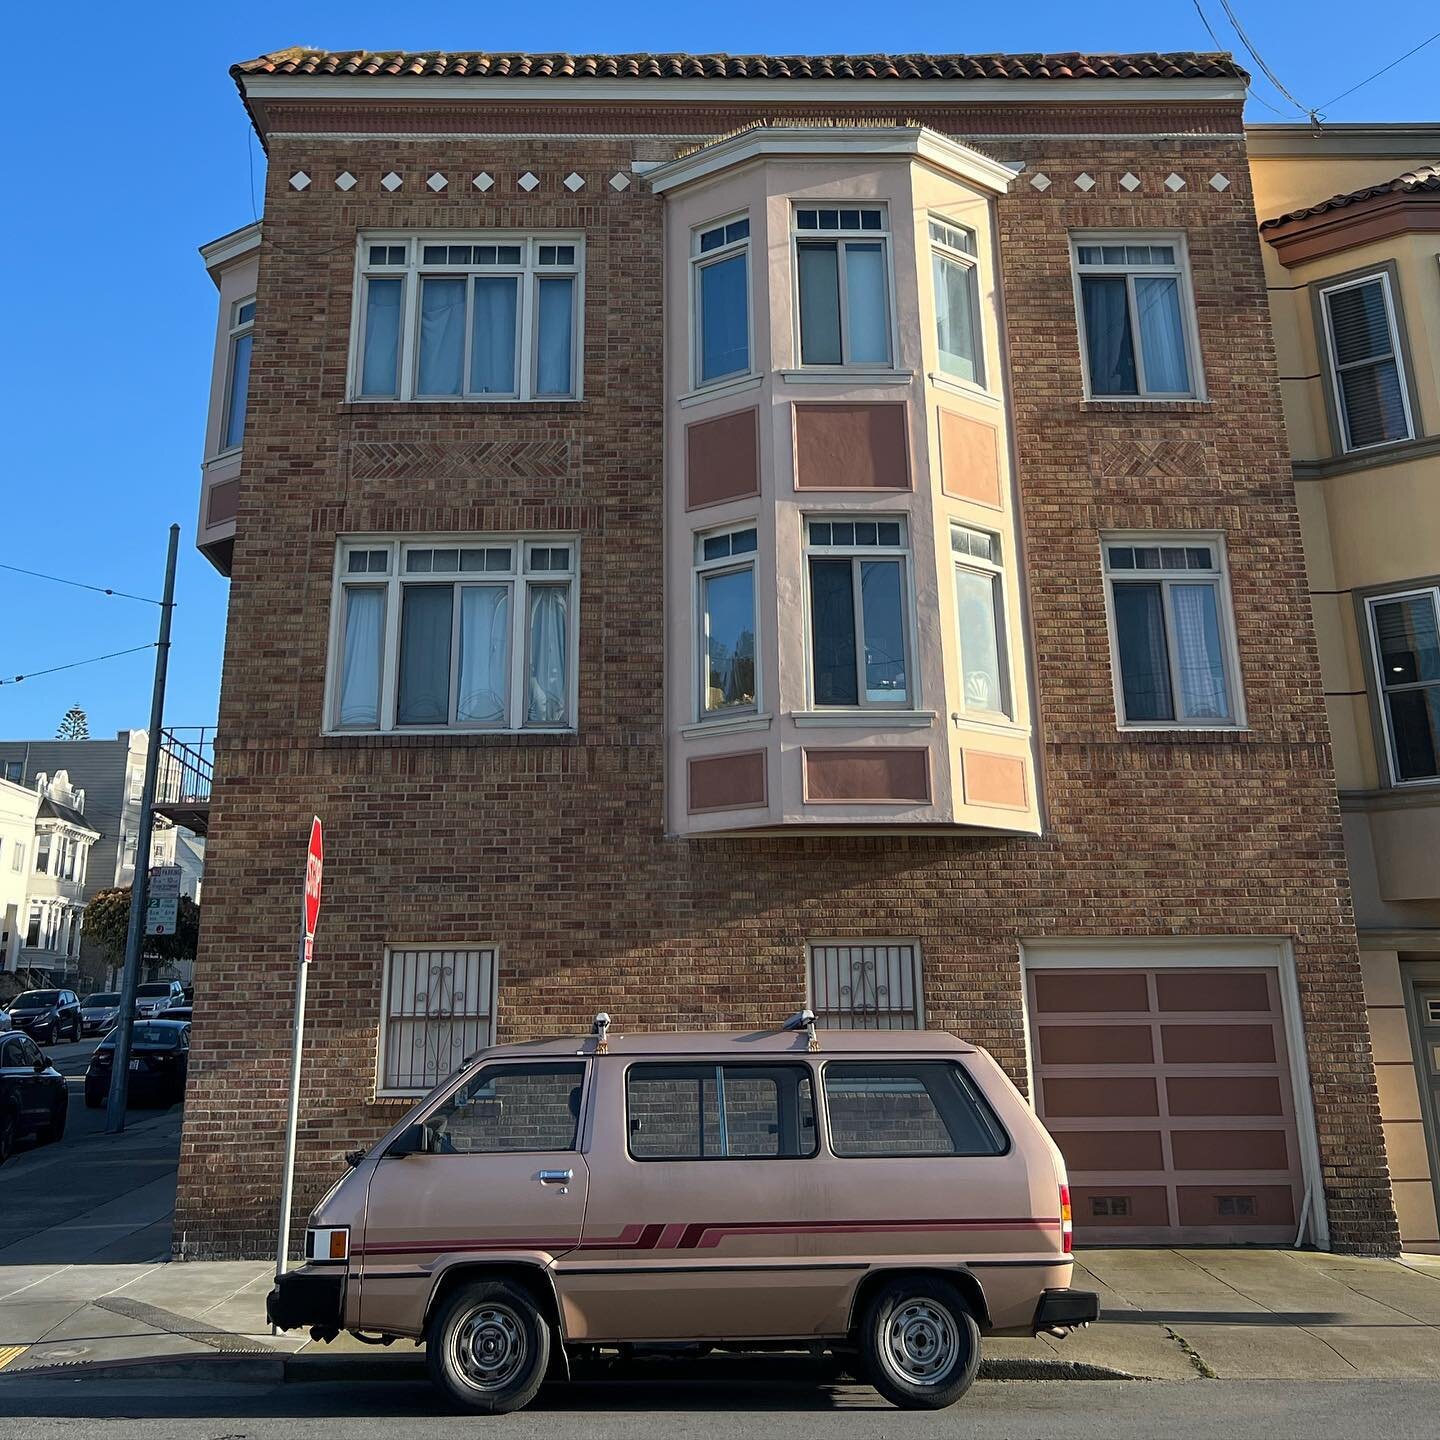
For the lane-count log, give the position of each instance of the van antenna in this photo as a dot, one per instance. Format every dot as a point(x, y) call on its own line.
point(804, 1020)
point(601, 1030)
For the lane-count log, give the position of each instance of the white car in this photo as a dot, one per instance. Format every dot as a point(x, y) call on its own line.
point(157, 995)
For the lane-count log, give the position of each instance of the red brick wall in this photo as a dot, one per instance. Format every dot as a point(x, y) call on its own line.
point(553, 847)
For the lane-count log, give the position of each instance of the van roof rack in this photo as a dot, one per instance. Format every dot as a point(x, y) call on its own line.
point(804, 1020)
point(600, 1028)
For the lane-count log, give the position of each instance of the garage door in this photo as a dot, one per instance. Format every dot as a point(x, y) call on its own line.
point(1169, 1093)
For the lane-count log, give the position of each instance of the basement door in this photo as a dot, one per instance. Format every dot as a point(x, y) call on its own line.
point(1169, 1093)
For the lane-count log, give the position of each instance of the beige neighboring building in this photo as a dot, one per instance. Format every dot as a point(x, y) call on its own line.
point(18, 807)
point(1351, 217)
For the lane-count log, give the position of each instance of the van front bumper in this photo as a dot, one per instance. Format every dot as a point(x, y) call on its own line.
point(308, 1299)
point(1061, 1311)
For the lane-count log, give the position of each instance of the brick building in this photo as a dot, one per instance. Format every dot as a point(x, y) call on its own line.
point(710, 534)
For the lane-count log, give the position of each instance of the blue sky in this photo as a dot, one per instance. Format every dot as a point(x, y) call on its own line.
point(104, 366)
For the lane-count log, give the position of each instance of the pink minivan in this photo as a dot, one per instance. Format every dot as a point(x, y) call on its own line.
point(888, 1196)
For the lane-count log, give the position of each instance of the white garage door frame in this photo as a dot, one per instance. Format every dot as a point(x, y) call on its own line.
point(1218, 952)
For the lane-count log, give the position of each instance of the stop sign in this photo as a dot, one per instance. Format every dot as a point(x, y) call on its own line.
point(314, 859)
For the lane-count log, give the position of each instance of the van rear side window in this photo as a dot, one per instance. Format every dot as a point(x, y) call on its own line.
point(907, 1108)
point(720, 1112)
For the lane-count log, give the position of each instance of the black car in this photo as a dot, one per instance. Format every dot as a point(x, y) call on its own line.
point(33, 1098)
point(159, 1062)
point(176, 1012)
point(47, 1015)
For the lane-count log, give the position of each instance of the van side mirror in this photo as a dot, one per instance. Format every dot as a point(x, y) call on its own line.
point(412, 1140)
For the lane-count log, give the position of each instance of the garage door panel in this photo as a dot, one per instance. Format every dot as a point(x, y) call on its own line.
point(1212, 990)
point(1230, 1149)
point(1096, 1045)
point(1224, 1095)
point(1111, 1149)
point(1238, 1205)
point(1113, 1096)
point(1110, 1207)
point(1061, 992)
point(1218, 1044)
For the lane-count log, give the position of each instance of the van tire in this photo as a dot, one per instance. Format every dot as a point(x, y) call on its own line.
point(919, 1343)
point(491, 1326)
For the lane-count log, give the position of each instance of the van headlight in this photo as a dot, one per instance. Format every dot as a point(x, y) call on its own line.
point(326, 1244)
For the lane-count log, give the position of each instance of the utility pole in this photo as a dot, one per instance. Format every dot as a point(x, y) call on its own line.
point(140, 885)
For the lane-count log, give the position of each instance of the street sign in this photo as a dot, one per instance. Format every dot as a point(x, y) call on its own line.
point(162, 905)
point(314, 863)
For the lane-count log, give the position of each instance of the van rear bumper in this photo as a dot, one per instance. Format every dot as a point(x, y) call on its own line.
point(1064, 1310)
point(308, 1299)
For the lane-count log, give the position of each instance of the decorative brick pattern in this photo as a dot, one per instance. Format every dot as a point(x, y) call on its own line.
point(482, 460)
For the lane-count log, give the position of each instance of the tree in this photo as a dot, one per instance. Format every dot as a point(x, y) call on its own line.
point(75, 725)
point(107, 921)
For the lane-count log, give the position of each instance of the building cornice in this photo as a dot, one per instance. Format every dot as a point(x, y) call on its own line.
point(1379, 218)
point(229, 248)
point(1343, 142)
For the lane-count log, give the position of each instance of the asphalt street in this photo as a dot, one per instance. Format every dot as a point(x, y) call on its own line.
point(1024, 1410)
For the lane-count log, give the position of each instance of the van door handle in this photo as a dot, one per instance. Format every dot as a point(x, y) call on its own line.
point(556, 1177)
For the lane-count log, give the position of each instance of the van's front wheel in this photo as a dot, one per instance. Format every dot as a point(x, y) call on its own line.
point(920, 1343)
point(487, 1347)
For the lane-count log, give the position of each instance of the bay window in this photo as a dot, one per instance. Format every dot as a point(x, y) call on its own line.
point(1405, 646)
point(843, 285)
point(980, 611)
point(1366, 372)
point(860, 613)
point(956, 281)
point(720, 264)
point(725, 592)
point(442, 319)
point(460, 634)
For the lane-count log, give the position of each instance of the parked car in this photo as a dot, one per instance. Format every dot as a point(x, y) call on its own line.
point(176, 1012)
point(99, 1011)
point(4, 1021)
point(47, 1015)
point(156, 995)
point(33, 1098)
point(889, 1195)
point(159, 1064)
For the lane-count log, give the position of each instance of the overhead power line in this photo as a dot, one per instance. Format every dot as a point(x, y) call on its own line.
point(80, 584)
point(75, 664)
point(1259, 59)
point(1216, 42)
point(1342, 95)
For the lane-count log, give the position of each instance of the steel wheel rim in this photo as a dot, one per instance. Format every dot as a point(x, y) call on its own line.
point(489, 1347)
point(922, 1342)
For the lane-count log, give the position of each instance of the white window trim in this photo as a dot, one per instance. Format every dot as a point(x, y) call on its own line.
point(1188, 314)
point(699, 262)
point(705, 570)
point(382, 1091)
point(887, 252)
point(1371, 601)
point(1342, 418)
point(996, 574)
point(529, 273)
point(912, 703)
point(1228, 640)
point(227, 394)
point(972, 263)
point(519, 578)
point(868, 943)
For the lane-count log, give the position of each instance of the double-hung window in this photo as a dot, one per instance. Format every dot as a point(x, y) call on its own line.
point(1405, 640)
point(461, 634)
point(980, 615)
point(843, 282)
point(1136, 317)
point(957, 301)
point(720, 264)
point(1366, 370)
point(237, 372)
point(468, 319)
point(725, 594)
point(860, 619)
point(1173, 636)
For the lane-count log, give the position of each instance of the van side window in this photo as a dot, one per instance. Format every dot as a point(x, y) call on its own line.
point(512, 1108)
point(720, 1112)
point(908, 1107)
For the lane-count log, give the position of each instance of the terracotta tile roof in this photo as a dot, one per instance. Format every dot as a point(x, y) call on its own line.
point(1413, 182)
point(299, 60)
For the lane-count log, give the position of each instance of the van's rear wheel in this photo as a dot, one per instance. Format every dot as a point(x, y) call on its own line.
point(920, 1343)
point(487, 1347)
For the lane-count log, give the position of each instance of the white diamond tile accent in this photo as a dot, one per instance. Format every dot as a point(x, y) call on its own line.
point(1085, 183)
point(527, 182)
point(574, 182)
point(392, 182)
point(1129, 181)
point(483, 181)
point(1040, 181)
point(299, 181)
point(345, 181)
point(1219, 181)
point(619, 181)
point(437, 182)
point(1174, 181)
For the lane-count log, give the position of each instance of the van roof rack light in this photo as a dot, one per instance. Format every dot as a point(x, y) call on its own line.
point(600, 1028)
point(804, 1020)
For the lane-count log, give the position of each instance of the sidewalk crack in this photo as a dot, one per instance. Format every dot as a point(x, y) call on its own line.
point(1202, 1366)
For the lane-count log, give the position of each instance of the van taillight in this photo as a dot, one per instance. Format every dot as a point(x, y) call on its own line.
point(1067, 1222)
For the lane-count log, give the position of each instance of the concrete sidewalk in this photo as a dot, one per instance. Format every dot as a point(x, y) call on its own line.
point(1168, 1315)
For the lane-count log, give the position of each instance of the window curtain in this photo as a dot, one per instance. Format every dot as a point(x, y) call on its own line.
point(492, 347)
point(484, 655)
point(442, 337)
point(832, 624)
point(239, 390)
point(360, 663)
point(1107, 335)
point(1162, 334)
point(380, 364)
point(819, 305)
point(724, 334)
point(867, 303)
point(553, 368)
point(1144, 658)
point(1199, 659)
point(549, 642)
point(955, 317)
point(425, 655)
